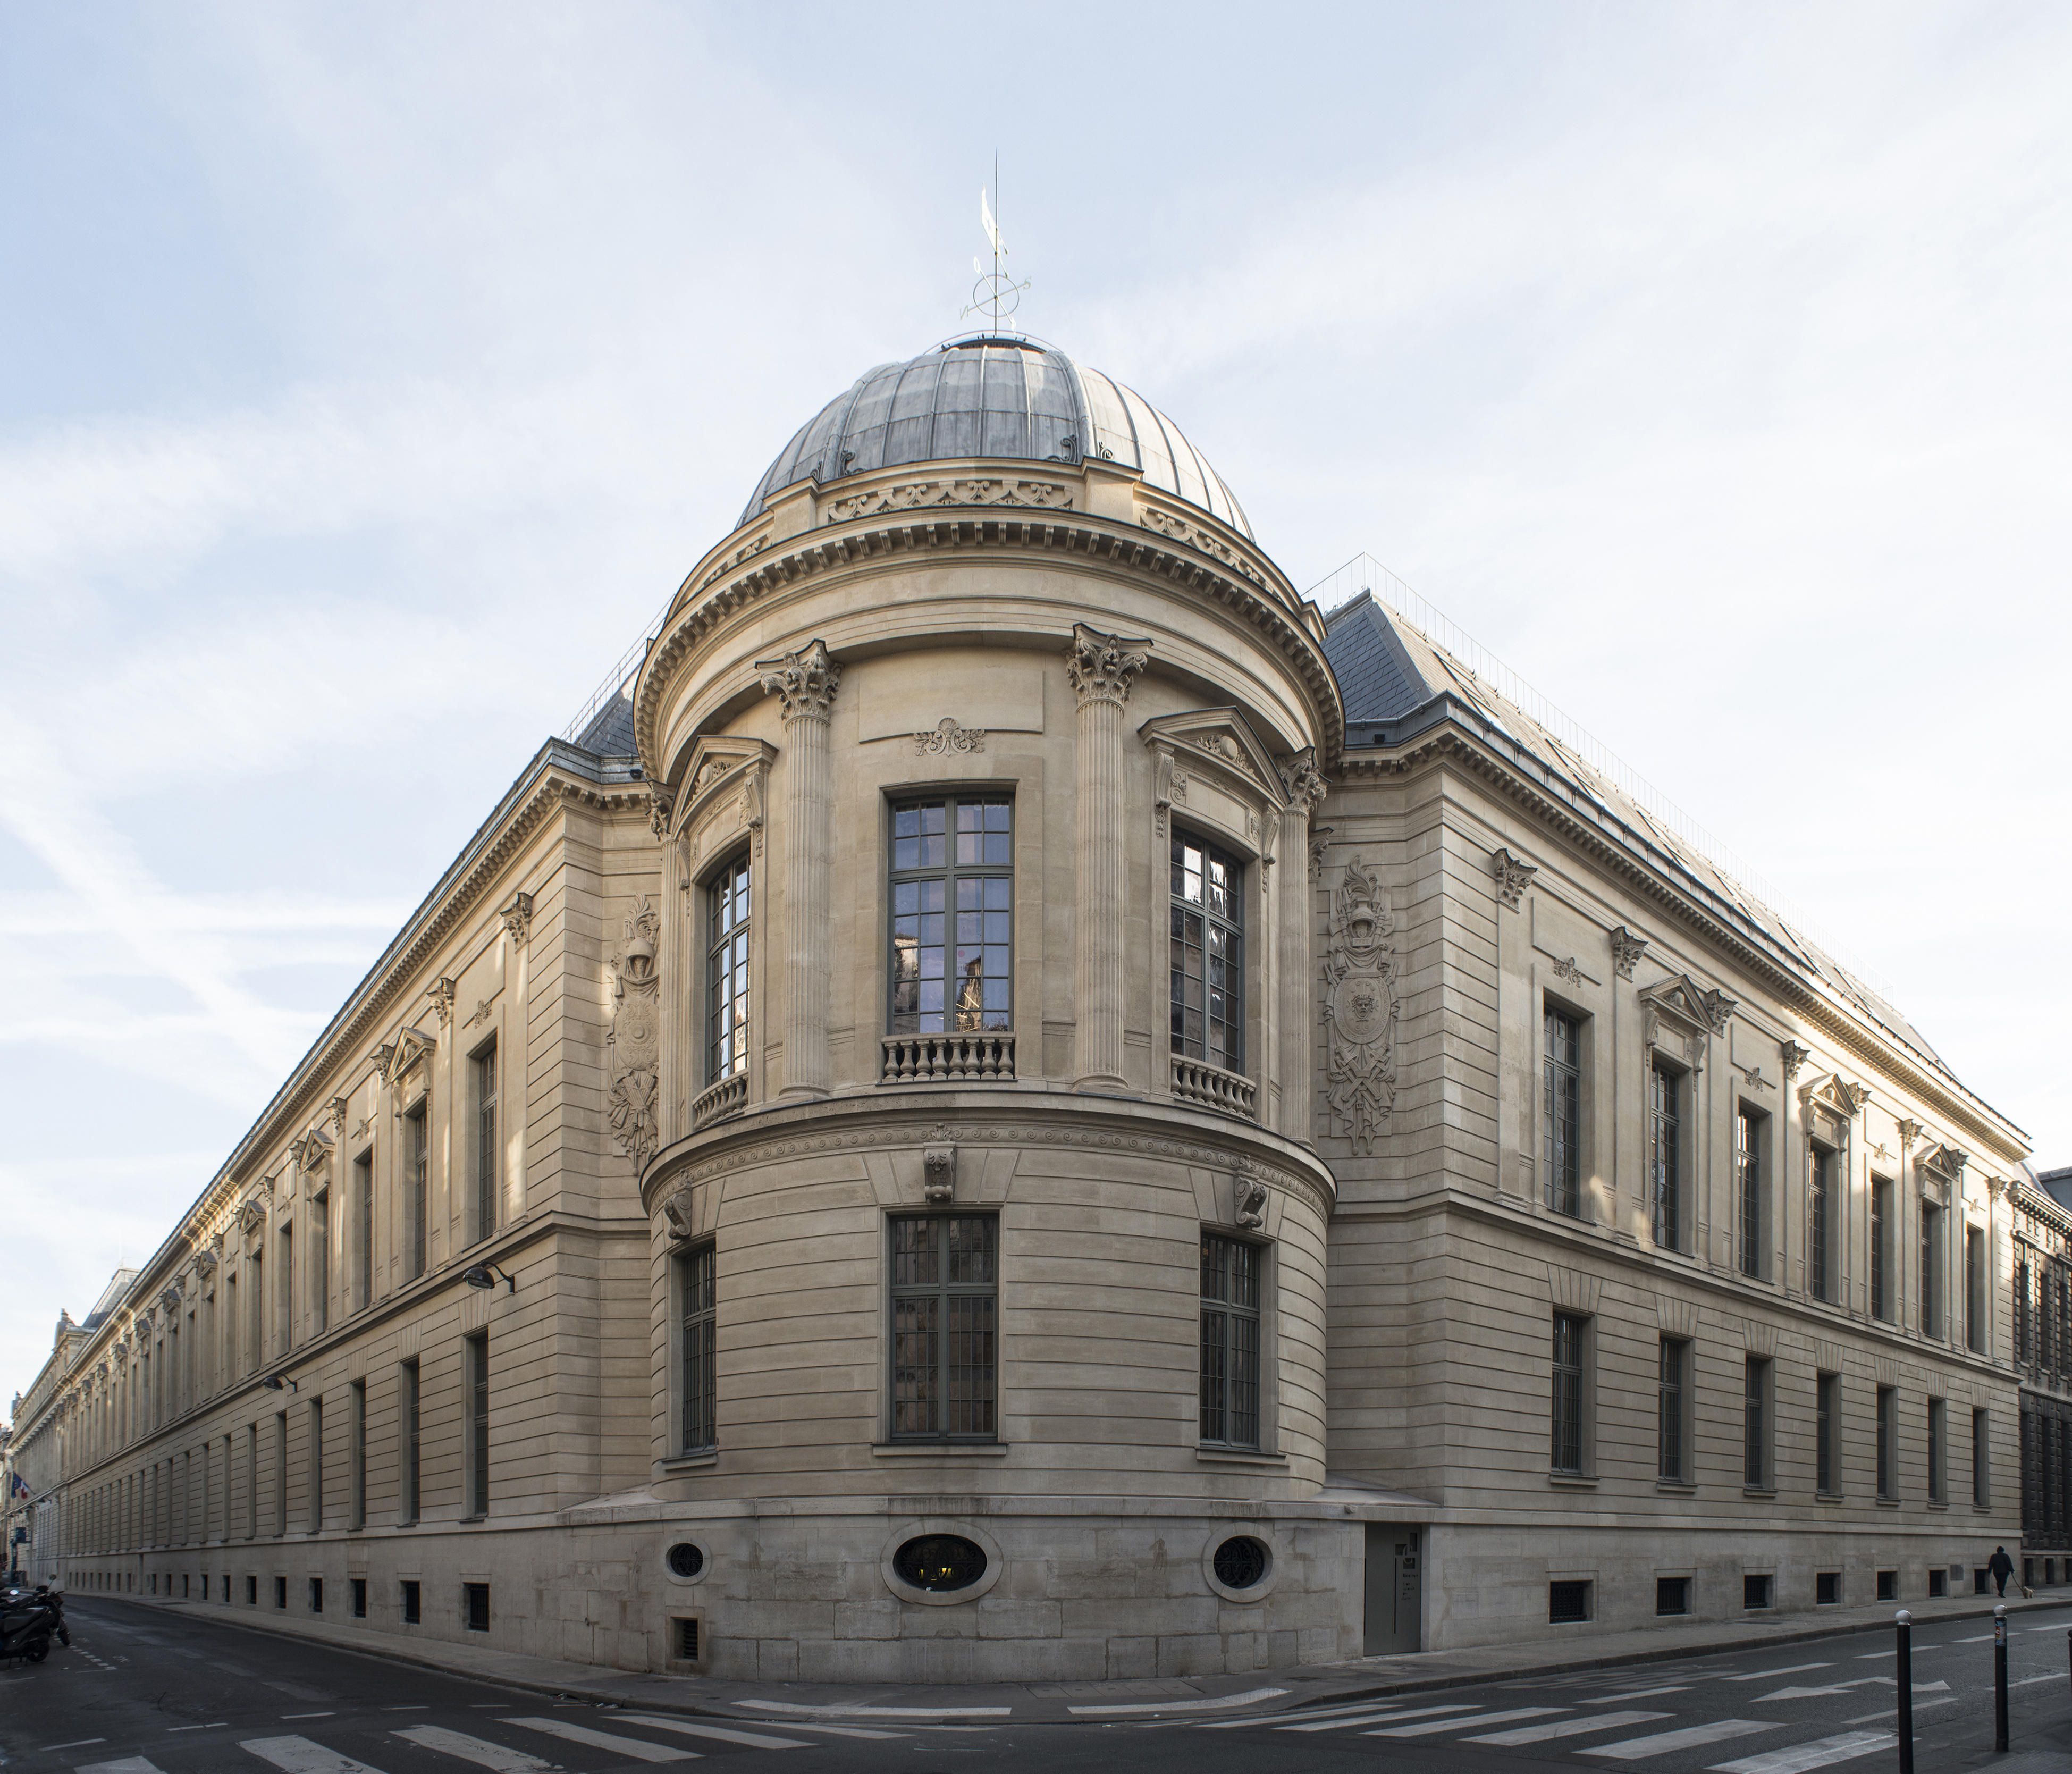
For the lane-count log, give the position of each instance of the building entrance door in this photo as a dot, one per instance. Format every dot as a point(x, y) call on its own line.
point(1395, 1587)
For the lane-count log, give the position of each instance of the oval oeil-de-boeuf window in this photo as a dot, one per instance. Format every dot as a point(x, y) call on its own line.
point(1240, 1562)
point(940, 1562)
point(686, 1560)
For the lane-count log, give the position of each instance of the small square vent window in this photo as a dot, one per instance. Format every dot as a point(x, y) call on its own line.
point(1567, 1602)
point(686, 1640)
point(1826, 1587)
point(1888, 1585)
point(1755, 1591)
point(1672, 1594)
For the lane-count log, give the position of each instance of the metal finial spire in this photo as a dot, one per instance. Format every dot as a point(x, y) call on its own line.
point(994, 293)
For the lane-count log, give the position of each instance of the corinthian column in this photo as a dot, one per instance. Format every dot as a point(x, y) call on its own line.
point(805, 682)
point(1297, 1021)
point(1101, 667)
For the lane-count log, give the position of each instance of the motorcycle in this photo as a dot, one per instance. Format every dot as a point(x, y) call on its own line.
point(29, 1619)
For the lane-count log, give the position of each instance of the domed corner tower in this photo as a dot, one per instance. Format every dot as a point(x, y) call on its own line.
point(989, 1234)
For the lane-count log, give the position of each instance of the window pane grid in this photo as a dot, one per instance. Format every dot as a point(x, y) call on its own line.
point(1567, 1453)
point(1206, 955)
point(1670, 1391)
point(1229, 1344)
point(1748, 1170)
point(697, 1277)
point(1564, 1112)
point(1755, 1465)
point(945, 1345)
point(1663, 1129)
point(953, 947)
point(727, 901)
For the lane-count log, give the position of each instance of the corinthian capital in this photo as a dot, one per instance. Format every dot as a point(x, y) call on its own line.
point(1103, 667)
point(805, 682)
point(1303, 783)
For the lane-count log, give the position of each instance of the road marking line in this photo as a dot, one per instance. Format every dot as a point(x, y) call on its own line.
point(129, 1764)
point(1374, 1705)
point(77, 1742)
point(1250, 1696)
point(217, 1726)
point(309, 1715)
point(1820, 1753)
point(1390, 1713)
point(1790, 1669)
point(752, 1738)
point(477, 1750)
point(879, 1712)
point(299, 1755)
point(1871, 1717)
point(1981, 1639)
point(1565, 1728)
point(835, 1731)
point(1638, 1694)
point(2029, 1681)
point(1691, 1737)
point(1431, 1725)
point(639, 1748)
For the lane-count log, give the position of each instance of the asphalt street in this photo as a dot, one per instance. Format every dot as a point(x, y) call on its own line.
point(141, 1691)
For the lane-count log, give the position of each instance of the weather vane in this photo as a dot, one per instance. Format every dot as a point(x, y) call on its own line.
point(995, 294)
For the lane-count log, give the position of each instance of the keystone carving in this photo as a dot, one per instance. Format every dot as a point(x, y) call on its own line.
point(1626, 950)
point(939, 1165)
point(676, 1211)
point(1102, 667)
point(634, 1044)
point(1513, 877)
point(804, 682)
point(1359, 1007)
point(948, 740)
point(517, 916)
point(1252, 1199)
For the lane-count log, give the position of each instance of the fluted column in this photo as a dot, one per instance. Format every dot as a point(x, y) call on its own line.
point(1297, 1021)
point(1101, 667)
point(805, 682)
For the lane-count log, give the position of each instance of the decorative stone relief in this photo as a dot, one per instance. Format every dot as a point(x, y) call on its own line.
point(1834, 1097)
point(1251, 1197)
point(922, 495)
point(751, 810)
point(205, 1261)
point(479, 1013)
point(1755, 1077)
point(312, 1151)
point(1180, 530)
point(394, 1058)
point(170, 1299)
point(1320, 841)
point(1168, 784)
point(1683, 1015)
point(805, 682)
point(517, 915)
point(442, 995)
point(939, 1165)
point(1793, 1057)
point(1359, 1007)
point(1303, 786)
point(1568, 970)
point(661, 804)
point(1513, 877)
point(948, 740)
point(1102, 667)
point(339, 1108)
point(676, 1211)
point(1626, 950)
point(634, 1042)
point(252, 1216)
point(1910, 1131)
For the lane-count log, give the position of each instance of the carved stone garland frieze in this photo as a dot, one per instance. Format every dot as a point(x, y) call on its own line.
point(923, 495)
point(1359, 1007)
point(1513, 877)
point(947, 739)
point(634, 1042)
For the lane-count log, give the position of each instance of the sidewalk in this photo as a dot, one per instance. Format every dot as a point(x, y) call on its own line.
point(1058, 1702)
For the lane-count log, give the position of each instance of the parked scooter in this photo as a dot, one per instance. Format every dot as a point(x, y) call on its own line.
point(29, 1619)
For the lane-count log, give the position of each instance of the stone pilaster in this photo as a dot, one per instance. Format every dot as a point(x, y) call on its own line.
point(1102, 668)
point(1296, 1023)
point(805, 682)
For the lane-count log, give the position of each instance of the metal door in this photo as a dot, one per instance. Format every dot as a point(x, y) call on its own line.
point(1395, 1588)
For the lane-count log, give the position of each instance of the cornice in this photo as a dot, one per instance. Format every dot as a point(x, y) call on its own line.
point(1110, 542)
point(1885, 1051)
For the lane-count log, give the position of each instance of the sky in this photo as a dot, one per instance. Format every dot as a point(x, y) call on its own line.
point(371, 374)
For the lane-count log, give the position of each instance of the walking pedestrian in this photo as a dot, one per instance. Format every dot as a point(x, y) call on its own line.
point(2002, 1568)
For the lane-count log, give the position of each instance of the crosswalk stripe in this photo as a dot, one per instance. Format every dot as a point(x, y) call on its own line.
point(839, 1730)
point(1564, 1728)
point(1632, 1749)
point(1819, 1753)
point(638, 1748)
point(1371, 1717)
point(299, 1755)
point(719, 1733)
point(477, 1750)
point(1764, 1675)
point(1431, 1725)
point(129, 1764)
point(1638, 1694)
point(879, 1712)
point(1351, 1706)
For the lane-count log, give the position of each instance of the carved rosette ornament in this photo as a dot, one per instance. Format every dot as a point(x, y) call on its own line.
point(804, 682)
point(1359, 1007)
point(948, 740)
point(1626, 950)
point(1102, 667)
point(634, 1043)
point(1513, 877)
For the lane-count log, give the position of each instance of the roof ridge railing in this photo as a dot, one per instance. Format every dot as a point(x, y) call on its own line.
point(615, 681)
point(1364, 573)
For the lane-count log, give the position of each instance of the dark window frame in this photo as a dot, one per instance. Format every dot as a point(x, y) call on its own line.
point(474, 1379)
point(1751, 1133)
point(1756, 1381)
point(1934, 1314)
point(1230, 1399)
point(1665, 1153)
point(1562, 1105)
point(1827, 1434)
point(1217, 905)
point(697, 1329)
point(1672, 1421)
point(923, 1388)
point(483, 1100)
point(362, 1195)
point(409, 1438)
point(1938, 1450)
point(1820, 1251)
point(417, 1188)
point(730, 902)
point(1885, 1430)
point(982, 856)
point(1881, 1242)
point(1568, 1451)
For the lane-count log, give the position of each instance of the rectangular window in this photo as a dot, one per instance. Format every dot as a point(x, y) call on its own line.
point(727, 900)
point(952, 915)
point(1565, 1112)
point(476, 1368)
point(482, 1070)
point(406, 1437)
point(1975, 1294)
point(1567, 1456)
point(1827, 1434)
point(362, 1195)
point(1673, 1360)
point(286, 1284)
point(945, 1297)
point(1207, 968)
point(316, 1594)
point(1819, 1218)
point(475, 1597)
point(1888, 1436)
point(1749, 1128)
point(252, 1592)
point(1568, 1603)
point(1982, 1447)
point(320, 1262)
point(1937, 1429)
point(413, 1603)
point(2022, 1314)
point(252, 1482)
point(696, 1272)
point(280, 1472)
point(1755, 1591)
point(357, 1430)
point(316, 1466)
point(1755, 1425)
point(1230, 1342)
point(1827, 1588)
point(1664, 1132)
point(1888, 1585)
point(1672, 1594)
point(1881, 1248)
point(255, 1268)
point(281, 1592)
point(360, 1598)
point(1931, 1271)
point(416, 1177)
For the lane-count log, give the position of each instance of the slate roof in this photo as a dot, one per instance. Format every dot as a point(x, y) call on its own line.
point(610, 734)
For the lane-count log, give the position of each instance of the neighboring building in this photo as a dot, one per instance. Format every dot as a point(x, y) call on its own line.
point(2043, 1365)
point(36, 1463)
point(1025, 1104)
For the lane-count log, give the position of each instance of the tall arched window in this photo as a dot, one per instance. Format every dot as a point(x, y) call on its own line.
point(726, 971)
point(1207, 961)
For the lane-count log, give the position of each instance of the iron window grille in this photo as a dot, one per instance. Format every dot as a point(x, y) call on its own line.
point(417, 1205)
point(1207, 958)
point(1755, 1435)
point(477, 1348)
point(952, 915)
point(1563, 1111)
point(1888, 1430)
point(945, 1304)
point(697, 1273)
point(1937, 1420)
point(1672, 1594)
point(1664, 1131)
point(483, 1067)
point(1828, 1402)
point(727, 931)
point(1566, 1411)
point(1230, 1342)
point(1981, 1459)
point(1568, 1603)
point(1669, 1415)
point(1881, 1248)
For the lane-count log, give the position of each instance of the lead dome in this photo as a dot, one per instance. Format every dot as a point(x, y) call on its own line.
point(1009, 399)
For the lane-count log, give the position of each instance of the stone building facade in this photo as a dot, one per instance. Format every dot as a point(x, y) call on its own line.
point(1023, 1104)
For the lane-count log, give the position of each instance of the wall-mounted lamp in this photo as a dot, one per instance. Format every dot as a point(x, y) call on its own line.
point(488, 1275)
point(273, 1382)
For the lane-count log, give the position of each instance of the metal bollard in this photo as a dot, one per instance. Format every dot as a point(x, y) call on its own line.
point(1903, 1622)
point(2000, 1679)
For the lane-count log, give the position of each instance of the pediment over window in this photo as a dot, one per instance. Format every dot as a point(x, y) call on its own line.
point(312, 1151)
point(1834, 1098)
point(1214, 755)
point(724, 793)
point(394, 1058)
point(1682, 1017)
point(1945, 1162)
